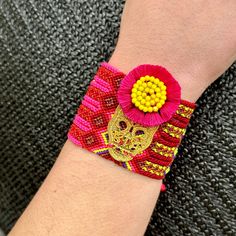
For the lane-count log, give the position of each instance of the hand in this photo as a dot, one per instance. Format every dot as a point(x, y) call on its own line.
point(194, 40)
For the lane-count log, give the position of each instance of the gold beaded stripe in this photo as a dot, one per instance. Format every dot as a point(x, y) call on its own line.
point(154, 168)
point(173, 130)
point(164, 150)
point(184, 111)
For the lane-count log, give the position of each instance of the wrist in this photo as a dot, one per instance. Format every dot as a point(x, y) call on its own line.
point(192, 80)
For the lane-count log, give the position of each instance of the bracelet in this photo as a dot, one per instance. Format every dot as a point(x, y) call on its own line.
point(136, 120)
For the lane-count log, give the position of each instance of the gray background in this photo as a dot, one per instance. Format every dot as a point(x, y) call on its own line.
point(49, 51)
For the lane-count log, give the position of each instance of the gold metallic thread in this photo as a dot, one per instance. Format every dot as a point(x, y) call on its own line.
point(126, 138)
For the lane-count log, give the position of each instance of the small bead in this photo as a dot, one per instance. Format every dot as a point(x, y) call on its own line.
point(163, 188)
point(163, 97)
point(158, 95)
point(139, 98)
point(141, 88)
point(150, 109)
point(147, 104)
point(142, 79)
point(148, 98)
point(157, 90)
point(139, 93)
point(153, 96)
point(141, 107)
point(154, 86)
point(152, 102)
point(133, 95)
point(144, 95)
point(156, 81)
point(145, 109)
point(155, 109)
point(152, 78)
point(144, 85)
point(135, 85)
point(163, 92)
point(139, 82)
point(151, 91)
point(162, 102)
point(137, 104)
point(134, 90)
point(149, 84)
point(163, 88)
point(147, 90)
point(143, 101)
point(157, 100)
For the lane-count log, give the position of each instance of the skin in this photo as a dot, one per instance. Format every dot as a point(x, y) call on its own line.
point(87, 195)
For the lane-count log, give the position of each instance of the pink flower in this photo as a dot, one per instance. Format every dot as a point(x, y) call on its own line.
point(136, 114)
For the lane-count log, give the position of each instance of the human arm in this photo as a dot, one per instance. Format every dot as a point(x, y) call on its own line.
point(83, 203)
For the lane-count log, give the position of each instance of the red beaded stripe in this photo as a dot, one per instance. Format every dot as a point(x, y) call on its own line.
point(161, 158)
point(181, 119)
point(177, 123)
point(169, 138)
point(188, 104)
point(160, 139)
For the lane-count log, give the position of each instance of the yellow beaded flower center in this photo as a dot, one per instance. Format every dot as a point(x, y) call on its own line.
point(148, 94)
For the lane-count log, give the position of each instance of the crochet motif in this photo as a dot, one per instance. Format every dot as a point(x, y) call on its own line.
point(149, 151)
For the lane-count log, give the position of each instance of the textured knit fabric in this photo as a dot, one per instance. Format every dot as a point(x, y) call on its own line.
point(49, 52)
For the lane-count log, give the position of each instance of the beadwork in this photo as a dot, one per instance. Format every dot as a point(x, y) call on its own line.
point(102, 127)
point(148, 94)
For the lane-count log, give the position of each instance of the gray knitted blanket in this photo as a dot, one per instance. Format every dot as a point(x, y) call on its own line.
point(49, 52)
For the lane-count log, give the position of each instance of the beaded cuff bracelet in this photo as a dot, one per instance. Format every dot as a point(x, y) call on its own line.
point(135, 120)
